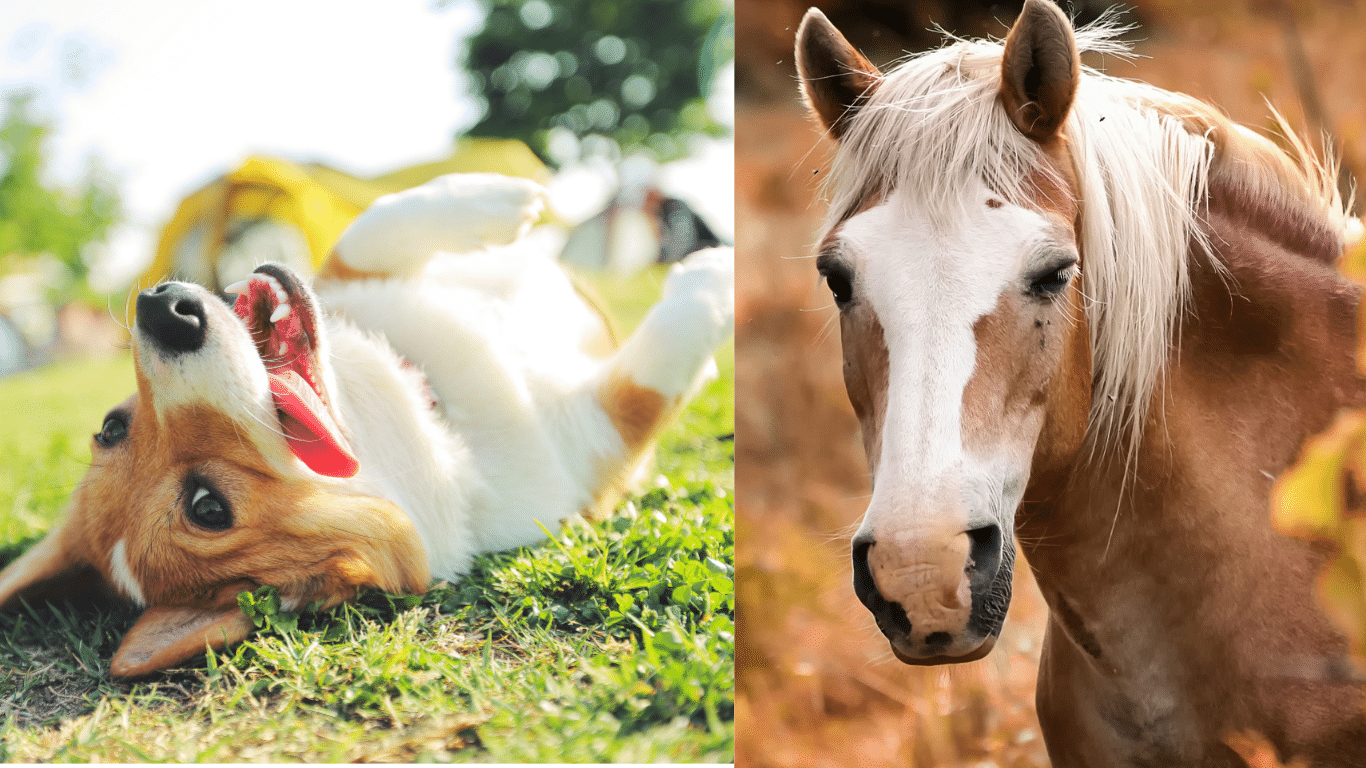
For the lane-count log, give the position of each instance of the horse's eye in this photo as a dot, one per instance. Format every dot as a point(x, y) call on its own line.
point(1050, 282)
point(114, 430)
point(208, 510)
point(837, 280)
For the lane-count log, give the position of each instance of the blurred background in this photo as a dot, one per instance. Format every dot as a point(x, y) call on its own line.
point(816, 684)
point(145, 140)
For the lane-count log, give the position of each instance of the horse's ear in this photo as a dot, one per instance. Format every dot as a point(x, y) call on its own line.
point(836, 79)
point(1039, 70)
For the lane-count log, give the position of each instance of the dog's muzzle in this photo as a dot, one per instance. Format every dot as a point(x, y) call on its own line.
point(172, 316)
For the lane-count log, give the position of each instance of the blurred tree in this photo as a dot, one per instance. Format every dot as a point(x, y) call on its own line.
point(583, 78)
point(37, 218)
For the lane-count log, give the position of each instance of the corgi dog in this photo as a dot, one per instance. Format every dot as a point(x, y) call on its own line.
point(441, 390)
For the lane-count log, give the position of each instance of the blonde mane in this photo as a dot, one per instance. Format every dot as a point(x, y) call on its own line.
point(1146, 163)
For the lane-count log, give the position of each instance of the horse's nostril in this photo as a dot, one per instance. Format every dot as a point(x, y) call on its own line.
point(937, 640)
point(984, 555)
point(891, 617)
point(864, 586)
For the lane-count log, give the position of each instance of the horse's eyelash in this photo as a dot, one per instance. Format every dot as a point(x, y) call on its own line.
point(1057, 267)
point(829, 261)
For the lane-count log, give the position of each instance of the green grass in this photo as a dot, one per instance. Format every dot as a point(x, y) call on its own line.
point(611, 642)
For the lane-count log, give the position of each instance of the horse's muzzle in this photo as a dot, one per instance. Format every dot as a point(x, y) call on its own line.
point(937, 602)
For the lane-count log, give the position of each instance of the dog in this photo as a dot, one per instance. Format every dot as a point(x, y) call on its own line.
point(442, 390)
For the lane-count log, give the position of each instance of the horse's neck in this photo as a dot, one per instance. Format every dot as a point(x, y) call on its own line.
point(1264, 360)
point(1266, 356)
point(1153, 571)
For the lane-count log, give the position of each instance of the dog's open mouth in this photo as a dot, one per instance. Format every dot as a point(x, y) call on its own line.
point(282, 323)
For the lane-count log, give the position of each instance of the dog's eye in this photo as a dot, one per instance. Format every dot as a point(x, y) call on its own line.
point(114, 430)
point(209, 511)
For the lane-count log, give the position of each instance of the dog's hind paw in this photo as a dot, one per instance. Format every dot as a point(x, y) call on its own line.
point(708, 277)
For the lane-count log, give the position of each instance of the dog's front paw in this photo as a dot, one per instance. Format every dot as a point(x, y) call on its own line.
point(708, 277)
point(499, 208)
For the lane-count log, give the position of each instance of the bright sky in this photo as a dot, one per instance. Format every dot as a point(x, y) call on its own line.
point(177, 93)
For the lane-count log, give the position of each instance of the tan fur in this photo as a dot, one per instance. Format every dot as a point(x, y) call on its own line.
point(1196, 596)
point(54, 569)
point(1177, 610)
point(1010, 390)
point(865, 375)
point(1293, 200)
point(638, 413)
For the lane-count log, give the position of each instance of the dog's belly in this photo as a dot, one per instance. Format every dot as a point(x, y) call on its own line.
point(502, 355)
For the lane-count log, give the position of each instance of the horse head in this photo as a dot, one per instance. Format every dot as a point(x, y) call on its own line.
point(958, 283)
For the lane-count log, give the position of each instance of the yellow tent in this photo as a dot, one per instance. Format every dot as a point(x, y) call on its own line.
point(270, 209)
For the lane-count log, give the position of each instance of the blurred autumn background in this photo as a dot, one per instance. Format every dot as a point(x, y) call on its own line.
point(815, 682)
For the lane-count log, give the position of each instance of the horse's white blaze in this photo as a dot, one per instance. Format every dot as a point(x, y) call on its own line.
point(122, 575)
point(929, 284)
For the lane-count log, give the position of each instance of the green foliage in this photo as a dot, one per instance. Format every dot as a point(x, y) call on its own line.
point(627, 577)
point(262, 606)
point(617, 76)
point(37, 218)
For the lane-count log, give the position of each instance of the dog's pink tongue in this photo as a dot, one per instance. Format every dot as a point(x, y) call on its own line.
point(310, 431)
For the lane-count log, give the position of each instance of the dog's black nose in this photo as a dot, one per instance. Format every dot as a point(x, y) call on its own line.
point(172, 316)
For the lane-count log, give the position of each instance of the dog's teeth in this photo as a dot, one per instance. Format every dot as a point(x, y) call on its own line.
point(280, 313)
point(240, 286)
point(273, 284)
point(284, 348)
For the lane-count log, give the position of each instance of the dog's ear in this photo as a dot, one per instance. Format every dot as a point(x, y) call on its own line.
point(165, 636)
point(53, 569)
point(326, 548)
point(370, 542)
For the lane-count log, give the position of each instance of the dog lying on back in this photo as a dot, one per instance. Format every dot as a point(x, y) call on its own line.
point(380, 432)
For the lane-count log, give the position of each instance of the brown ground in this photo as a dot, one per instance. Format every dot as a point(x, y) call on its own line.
point(815, 683)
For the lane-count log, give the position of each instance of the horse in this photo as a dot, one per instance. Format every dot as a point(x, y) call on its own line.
point(1102, 317)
